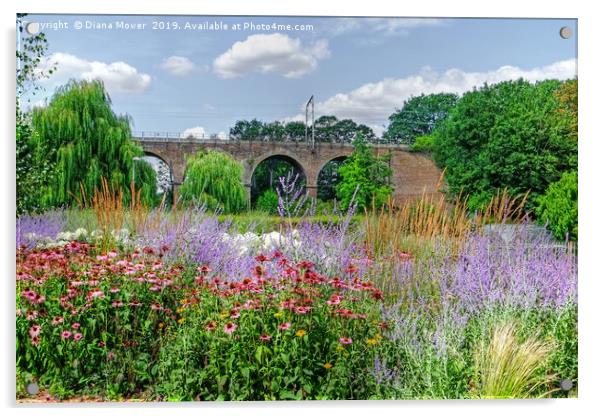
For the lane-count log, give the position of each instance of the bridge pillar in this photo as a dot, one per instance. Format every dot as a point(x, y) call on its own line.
point(312, 190)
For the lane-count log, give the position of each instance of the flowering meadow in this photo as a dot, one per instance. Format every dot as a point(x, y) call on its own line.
point(185, 305)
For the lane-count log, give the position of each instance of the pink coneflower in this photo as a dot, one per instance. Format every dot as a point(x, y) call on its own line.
point(234, 314)
point(76, 325)
point(302, 309)
point(210, 326)
point(156, 307)
point(230, 327)
point(204, 269)
point(334, 300)
point(135, 304)
point(35, 330)
point(35, 340)
point(114, 290)
point(57, 320)
point(345, 341)
point(284, 326)
point(110, 355)
point(117, 304)
point(77, 336)
point(101, 344)
point(265, 337)
point(66, 334)
point(31, 315)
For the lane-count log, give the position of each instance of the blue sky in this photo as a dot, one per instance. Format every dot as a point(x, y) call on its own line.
point(182, 78)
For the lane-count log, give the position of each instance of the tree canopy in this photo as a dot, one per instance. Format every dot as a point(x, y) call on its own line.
point(327, 129)
point(506, 135)
point(419, 116)
point(91, 142)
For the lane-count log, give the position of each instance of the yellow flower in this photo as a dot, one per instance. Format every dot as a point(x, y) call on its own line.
point(300, 332)
point(277, 314)
point(224, 315)
point(378, 336)
point(371, 341)
point(327, 366)
point(181, 320)
point(180, 310)
point(161, 324)
point(340, 348)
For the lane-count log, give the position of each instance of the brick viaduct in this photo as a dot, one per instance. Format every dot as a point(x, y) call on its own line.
point(413, 173)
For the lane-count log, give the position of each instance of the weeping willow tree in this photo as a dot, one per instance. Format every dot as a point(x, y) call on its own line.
point(90, 142)
point(214, 179)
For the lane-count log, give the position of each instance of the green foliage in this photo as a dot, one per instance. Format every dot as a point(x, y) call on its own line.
point(33, 166)
point(506, 135)
point(557, 208)
point(328, 179)
point(33, 169)
point(91, 142)
point(214, 179)
point(423, 144)
point(364, 176)
point(419, 116)
point(327, 129)
point(268, 202)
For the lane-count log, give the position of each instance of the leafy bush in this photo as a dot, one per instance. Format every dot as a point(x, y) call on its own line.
point(424, 144)
point(268, 202)
point(557, 208)
point(509, 135)
point(214, 179)
point(364, 177)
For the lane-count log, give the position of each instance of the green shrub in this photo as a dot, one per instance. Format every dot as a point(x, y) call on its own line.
point(268, 202)
point(558, 207)
point(214, 179)
point(423, 144)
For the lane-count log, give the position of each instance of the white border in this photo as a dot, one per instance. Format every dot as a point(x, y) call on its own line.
point(590, 293)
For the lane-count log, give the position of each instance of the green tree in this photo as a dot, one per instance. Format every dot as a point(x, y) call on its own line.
point(557, 208)
point(330, 129)
point(91, 143)
point(247, 130)
point(506, 135)
point(364, 175)
point(419, 116)
point(33, 166)
point(214, 179)
point(294, 131)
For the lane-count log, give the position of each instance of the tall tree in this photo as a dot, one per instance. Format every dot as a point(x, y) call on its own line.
point(33, 166)
point(506, 135)
point(419, 116)
point(91, 143)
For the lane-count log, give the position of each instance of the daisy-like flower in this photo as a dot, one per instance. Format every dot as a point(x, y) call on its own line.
point(210, 326)
point(284, 326)
point(327, 366)
point(35, 340)
point(75, 325)
point(302, 309)
point(34, 331)
point(230, 327)
point(57, 320)
point(265, 337)
point(110, 355)
point(371, 341)
point(114, 290)
point(301, 333)
point(78, 336)
point(345, 341)
point(66, 334)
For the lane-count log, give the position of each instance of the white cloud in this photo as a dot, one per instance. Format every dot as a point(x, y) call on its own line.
point(118, 77)
point(222, 136)
point(274, 53)
point(372, 103)
point(178, 65)
point(196, 132)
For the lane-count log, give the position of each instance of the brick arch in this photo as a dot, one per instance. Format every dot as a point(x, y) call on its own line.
point(251, 167)
point(323, 165)
point(164, 160)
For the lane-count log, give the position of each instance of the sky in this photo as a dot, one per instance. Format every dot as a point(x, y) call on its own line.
point(200, 74)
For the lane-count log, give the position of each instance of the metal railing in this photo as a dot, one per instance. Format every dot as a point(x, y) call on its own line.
point(164, 136)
